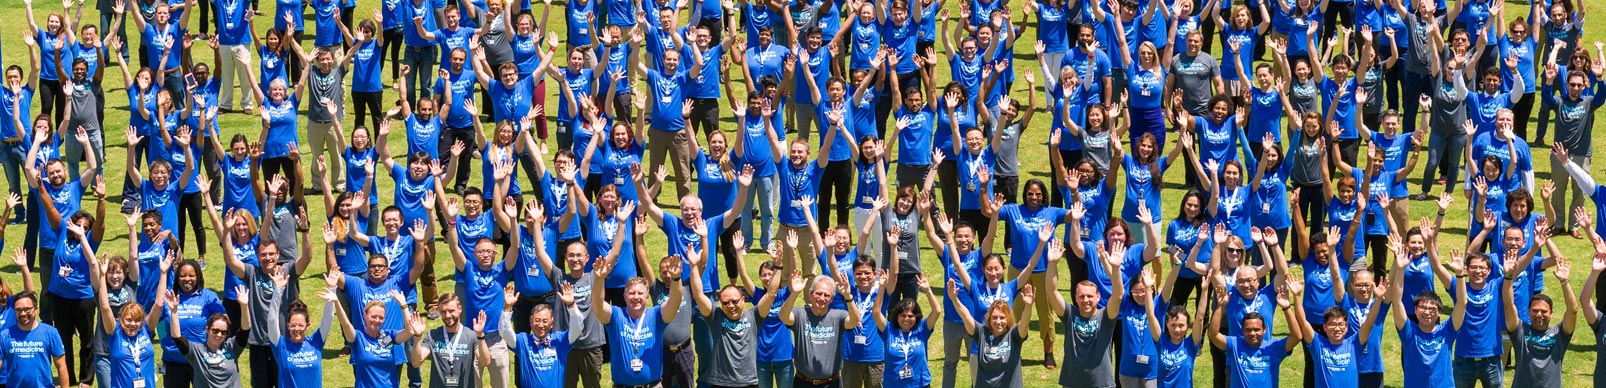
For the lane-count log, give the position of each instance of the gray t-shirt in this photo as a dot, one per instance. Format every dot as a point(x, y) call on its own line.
point(1087, 349)
point(1416, 30)
point(998, 358)
point(269, 304)
point(1096, 147)
point(1307, 163)
point(495, 39)
point(591, 334)
point(1573, 120)
point(1449, 111)
point(818, 342)
point(1539, 356)
point(324, 87)
point(282, 229)
point(678, 331)
point(1306, 95)
point(84, 103)
point(117, 298)
point(734, 362)
point(213, 368)
point(1196, 77)
point(1372, 82)
point(1007, 151)
point(908, 248)
point(452, 358)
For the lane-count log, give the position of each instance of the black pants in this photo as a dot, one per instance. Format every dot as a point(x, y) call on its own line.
point(191, 206)
point(346, 18)
point(1207, 28)
point(1218, 363)
point(53, 101)
point(74, 319)
point(975, 218)
point(704, 114)
point(680, 366)
point(263, 364)
point(368, 105)
point(231, 308)
point(948, 174)
point(1344, 10)
point(1314, 208)
point(449, 137)
point(213, 170)
point(1076, 265)
point(1182, 290)
point(727, 250)
point(1520, 114)
point(908, 285)
point(1371, 380)
point(799, 382)
point(202, 16)
point(836, 181)
point(1377, 245)
point(280, 166)
point(1347, 150)
point(392, 50)
point(177, 375)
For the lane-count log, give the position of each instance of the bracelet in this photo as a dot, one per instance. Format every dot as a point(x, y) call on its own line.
point(1441, 213)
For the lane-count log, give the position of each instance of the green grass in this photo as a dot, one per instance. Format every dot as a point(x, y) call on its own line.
point(1033, 154)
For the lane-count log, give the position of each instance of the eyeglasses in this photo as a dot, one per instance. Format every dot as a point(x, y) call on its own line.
point(1236, 251)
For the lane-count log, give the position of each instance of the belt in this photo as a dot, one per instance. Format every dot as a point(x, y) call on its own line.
point(680, 346)
point(815, 381)
point(1477, 359)
point(647, 385)
point(419, 48)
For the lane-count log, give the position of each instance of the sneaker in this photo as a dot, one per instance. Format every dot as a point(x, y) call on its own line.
point(128, 206)
point(1419, 197)
point(433, 314)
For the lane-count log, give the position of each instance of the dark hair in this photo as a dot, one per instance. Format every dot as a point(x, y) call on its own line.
point(1175, 312)
point(29, 295)
point(297, 307)
point(1537, 298)
point(1252, 316)
point(1519, 195)
point(1335, 312)
point(907, 305)
point(1428, 296)
point(200, 276)
point(1197, 195)
point(472, 191)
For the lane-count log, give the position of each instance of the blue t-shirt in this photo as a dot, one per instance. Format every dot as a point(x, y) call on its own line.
point(71, 272)
point(132, 358)
point(462, 84)
point(1176, 361)
point(283, 130)
point(774, 338)
point(1024, 224)
point(374, 359)
point(971, 189)
point(1138, 352)
point(30, 355)
point(864, 343)
point(680, 235)
point(717, 192)
point(796, 183)
point(636, 346)
point(915, 140)
point(300, 364)
point(1370, 357)
point(482, 292)
point(1265, 114)
point(906, 365)
point(1480, 330)
point(193, 310)
point(1245, 57)
point(238, 192)
point(1184, 236)
point(600, 232)
point(1264, 303)
point(1145, 86)
point(1336, 364)
point(1425, 356)
point(409, 194)
point(1142, 184)
point(541, 361)
point(399, 255)
point(1255, 367)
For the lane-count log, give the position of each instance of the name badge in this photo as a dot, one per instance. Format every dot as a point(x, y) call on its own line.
point(1142, 359)
point(664, 99)
point(1265, 207)
point(860, 340)
point(450, 380)
point(636, 365)
point(229, 25)
point(905, 373)
point(139, 382)
point(619, 181)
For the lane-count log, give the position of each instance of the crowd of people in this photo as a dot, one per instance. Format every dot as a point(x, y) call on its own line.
point(840, 154)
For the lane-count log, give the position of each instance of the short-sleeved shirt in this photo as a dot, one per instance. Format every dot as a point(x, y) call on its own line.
point(30, 355)
point(300, 363)
point(818, 340)
point(1087, 349)
point(733, 361)
point(1196, 76)
point(638, 350)
point(998, 357)
point(452, 356)
point(214, 368)
point(1425, 356)
point(1539, 355)
point(1250, 366)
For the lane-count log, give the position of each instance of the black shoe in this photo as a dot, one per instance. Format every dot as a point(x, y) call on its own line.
point(128, 206)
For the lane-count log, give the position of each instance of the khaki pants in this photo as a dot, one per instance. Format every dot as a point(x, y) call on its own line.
point(325, 143)
point(1045, 313)
point(678, 144)
point(805, 244)
point(862, 375)
point(585, 366)
point(1566, 187)
point(497, 371)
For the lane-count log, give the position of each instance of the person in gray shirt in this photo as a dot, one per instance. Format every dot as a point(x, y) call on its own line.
point(1005, 141)
point(734, 362)
point(1539, 347)
point(585, 359)
point(1447, 111)
point(818, 331)
point(272, 282)
point(1000, 340)
point(1195, 72)
point(215, 360)
point(1089, 328)
point(455, 358)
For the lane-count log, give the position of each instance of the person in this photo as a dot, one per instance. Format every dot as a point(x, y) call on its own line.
point(454, 360)
point(215, 358)
point(279, 101)
point(1426, 340)
point(1089, 329)
point(1573, 147)
point(373, 348)
point(1177, 338)
point(819, 331)
point(273, 280)
point(634, 329)
point(733, 364)
point(324, 81)
point(298, 354)
point(124, 355)
point(1337, 354)
point(480, 284)
point(69, 291)
point(64, 189)
point(1591, 312)
point(1538, 347)
point(32, 350)
point(543, 351)
point(416, 186)
point(1252, 359)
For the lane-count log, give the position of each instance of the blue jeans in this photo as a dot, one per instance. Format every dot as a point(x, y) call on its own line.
point(12, 156)
point(72, 151)
point(762, 193)
point(775, 374)
point(1486, 370)
point(103, 371)
point(130, 187)
point(122, 32)
point(703, 341)
point(1444, 154)
point(422, 61)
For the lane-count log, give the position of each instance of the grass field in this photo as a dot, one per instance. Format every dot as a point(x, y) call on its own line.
point(1033, 153)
